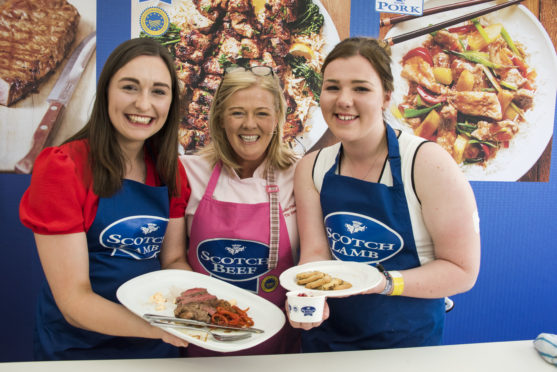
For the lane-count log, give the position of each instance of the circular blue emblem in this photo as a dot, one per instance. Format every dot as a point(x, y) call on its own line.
point(233, 259)
point(139, 237)
point(269, 283)
point(359, 238)
point(154, 21)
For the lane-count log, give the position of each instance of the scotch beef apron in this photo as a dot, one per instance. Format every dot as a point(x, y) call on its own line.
point(124, 242)
point(370, 223)
point(230, 241)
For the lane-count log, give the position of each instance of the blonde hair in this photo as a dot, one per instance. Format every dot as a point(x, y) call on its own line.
point(278, 154)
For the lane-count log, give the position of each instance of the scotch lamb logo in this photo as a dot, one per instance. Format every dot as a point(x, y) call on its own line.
point(151, 227)
point(356, 226)
point(235, 249)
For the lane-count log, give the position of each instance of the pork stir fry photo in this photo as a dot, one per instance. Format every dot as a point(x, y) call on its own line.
point(469, 88)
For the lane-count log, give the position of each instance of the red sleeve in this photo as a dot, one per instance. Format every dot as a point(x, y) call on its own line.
point(57, 200)
point(179, 203)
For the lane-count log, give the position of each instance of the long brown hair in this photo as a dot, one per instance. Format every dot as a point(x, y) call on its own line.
point(377, 52)
point(105, 157)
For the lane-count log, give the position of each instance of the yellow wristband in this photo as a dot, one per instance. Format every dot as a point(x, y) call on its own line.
point(398, 283)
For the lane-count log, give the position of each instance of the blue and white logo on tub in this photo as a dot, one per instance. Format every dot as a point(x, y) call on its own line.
point(139, 237)
point(410, 7)
point(308, 310)
point(359, 238)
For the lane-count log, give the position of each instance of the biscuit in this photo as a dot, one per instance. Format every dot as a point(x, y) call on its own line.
point(317, 275)
point(344, 285)
point(319, 282)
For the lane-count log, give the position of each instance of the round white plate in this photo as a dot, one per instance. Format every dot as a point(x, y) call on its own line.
point(527, 146)
point(136, 294)
point(362, 277)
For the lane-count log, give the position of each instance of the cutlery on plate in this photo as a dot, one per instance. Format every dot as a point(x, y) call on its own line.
point(58, 99)
point(216, 336)
point(197, 323)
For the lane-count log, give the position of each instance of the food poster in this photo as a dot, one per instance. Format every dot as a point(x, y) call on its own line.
point(19, 120)
point(206, 37)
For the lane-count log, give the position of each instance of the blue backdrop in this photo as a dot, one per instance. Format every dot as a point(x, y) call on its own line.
point(514, 298)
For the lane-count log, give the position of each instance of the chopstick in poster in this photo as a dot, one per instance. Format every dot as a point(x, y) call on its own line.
point(426, 30)
point(438, 9)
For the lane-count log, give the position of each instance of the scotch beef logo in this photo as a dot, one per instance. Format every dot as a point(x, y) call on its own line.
point(355, 237)
point(233, 259)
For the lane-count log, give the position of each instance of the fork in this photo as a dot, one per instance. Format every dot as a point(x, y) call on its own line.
point(216, 336)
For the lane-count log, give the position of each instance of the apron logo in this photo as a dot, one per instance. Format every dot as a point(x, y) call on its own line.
point(139, 237)
point(233, 260)
point(236, 248)
point(359, 238)
point(270, 283)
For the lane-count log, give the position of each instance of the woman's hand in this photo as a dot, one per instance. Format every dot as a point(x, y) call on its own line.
point(170, 338)
point(307, 326)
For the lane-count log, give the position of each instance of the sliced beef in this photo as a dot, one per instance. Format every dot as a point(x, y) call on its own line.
point(35, 36)
point(196, 304)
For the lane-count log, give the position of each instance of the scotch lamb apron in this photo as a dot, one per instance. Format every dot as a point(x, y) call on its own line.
point(370, 223)
point(124, 242)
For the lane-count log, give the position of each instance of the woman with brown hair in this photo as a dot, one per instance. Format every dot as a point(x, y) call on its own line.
point(106, 206)
point(383, 198)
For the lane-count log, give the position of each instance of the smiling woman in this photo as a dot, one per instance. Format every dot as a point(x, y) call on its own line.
point(242, 182)
point(106, 206)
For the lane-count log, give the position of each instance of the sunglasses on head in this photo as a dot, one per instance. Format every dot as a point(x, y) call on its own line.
point(256, 70)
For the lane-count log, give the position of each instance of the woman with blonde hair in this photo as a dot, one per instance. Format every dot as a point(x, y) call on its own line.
point(241, 221)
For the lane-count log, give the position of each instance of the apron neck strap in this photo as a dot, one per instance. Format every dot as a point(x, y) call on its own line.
point(274, 218)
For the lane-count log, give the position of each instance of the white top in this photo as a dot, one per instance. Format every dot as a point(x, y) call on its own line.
point(231, 188)
point(408, 146)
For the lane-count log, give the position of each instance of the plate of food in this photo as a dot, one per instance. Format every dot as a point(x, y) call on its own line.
point(35, 63)
point(292, 37)
point(483, 89)
point(190, 295)
point(332, 278)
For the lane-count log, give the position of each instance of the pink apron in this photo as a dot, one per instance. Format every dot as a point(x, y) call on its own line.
point(230, 241)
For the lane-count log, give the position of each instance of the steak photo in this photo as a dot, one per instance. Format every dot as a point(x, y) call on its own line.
point(35, 36)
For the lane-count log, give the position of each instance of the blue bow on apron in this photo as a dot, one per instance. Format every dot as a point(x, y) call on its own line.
point(124, 242)
point(370, 223)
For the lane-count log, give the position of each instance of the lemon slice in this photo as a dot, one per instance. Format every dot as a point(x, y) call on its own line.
point(300, 49)
point(258, 5)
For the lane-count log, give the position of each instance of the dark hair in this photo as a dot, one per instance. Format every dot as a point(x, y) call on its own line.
point(105, 156)
point(377, 52)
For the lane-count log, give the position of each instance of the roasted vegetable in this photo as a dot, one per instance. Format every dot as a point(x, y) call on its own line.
point(429, 125)
point(309, 21)
point(169, 38)
point(300, 68)
point(412, 113)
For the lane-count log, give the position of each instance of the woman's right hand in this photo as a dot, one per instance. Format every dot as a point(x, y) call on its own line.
point(308, 326)
point(170, 338)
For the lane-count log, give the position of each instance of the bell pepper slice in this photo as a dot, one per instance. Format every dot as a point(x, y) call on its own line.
point(429, 98)
point(462, 29)
point(419, 52)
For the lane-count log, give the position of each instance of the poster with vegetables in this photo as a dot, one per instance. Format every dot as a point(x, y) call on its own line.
point(483, 89)
point(206, 37)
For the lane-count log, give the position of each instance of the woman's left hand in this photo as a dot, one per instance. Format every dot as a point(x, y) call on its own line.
point(307, 326)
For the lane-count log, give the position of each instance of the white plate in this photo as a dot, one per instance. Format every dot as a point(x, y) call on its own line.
point(315, 126)
point(135, 294)
point(527, 146)
point(361, 276)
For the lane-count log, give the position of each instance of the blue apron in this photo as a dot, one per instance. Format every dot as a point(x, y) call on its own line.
point(124, 242)
point(370, 223)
